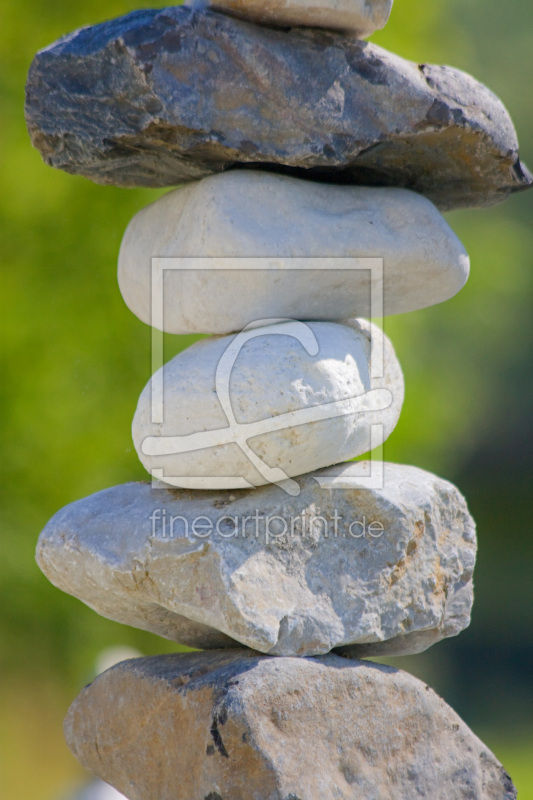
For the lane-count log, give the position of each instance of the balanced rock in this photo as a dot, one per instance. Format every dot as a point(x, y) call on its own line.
point(300, 231)
point(387, 570)
point(237, 725)
point(268, 404)
point(163, 96)
point(361, 17)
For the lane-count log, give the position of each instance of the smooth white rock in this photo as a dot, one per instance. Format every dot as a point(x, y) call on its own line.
point(378, 571)
point(244, 214)
point(98, 790)
point(272, 375)
point(362, 17)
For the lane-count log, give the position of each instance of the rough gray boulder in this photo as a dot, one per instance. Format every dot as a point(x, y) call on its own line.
point(240, 726)
point(385, 569)
point(159, 97)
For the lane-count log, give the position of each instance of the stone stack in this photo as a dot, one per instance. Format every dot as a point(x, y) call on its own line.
point(313, 166)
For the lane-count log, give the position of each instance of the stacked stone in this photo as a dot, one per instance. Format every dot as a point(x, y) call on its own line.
point(314, 165)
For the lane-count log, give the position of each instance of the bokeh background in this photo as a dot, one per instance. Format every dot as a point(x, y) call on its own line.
point(74, 360)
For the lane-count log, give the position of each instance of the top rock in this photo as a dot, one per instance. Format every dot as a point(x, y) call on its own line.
point(159, 97)
point(361, 17)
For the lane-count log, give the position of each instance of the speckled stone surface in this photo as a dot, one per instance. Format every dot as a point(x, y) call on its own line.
point(239, 726)
point(387, 571)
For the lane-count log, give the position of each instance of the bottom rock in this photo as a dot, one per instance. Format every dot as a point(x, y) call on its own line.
point(237, 725)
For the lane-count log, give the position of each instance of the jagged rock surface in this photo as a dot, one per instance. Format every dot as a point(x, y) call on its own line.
point(159, 97)
point(389, 570)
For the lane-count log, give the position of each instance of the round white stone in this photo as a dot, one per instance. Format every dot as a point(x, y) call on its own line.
point(98, 790)
point(231, 220)
point(362, 17)
point(340, 384)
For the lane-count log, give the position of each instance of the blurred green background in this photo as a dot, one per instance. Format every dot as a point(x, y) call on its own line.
point(74, 360)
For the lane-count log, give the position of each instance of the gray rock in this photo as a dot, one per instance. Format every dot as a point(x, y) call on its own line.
point(385, 568)
point(361, 17)
point(242, 215)
point(269, 404)
point(239, 726)
point(159, 97)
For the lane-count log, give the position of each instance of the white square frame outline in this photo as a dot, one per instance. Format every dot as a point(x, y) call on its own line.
point(375, 265)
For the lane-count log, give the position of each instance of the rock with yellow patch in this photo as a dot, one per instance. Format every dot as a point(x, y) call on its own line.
point(240, 726)
point(380, 570)
point(167, 95)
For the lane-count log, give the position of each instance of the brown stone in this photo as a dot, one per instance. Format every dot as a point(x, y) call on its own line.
point(235, 725)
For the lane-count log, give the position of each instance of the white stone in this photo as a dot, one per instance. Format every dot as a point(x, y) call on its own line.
point(381, 571)
point(362, 17)
point(98, 790)
point(241, 215)
point(285, 376)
